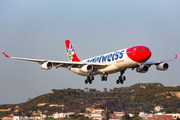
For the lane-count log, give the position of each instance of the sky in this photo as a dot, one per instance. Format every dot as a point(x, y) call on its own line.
point(38, 29)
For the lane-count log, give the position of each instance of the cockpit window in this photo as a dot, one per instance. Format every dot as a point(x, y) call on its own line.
point(144, 49)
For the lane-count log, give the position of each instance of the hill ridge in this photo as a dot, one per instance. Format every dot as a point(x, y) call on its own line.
point(141, 96)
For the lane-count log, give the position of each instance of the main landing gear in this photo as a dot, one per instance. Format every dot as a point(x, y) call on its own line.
point(89, 79)
point(104, 77)
point(121, 78)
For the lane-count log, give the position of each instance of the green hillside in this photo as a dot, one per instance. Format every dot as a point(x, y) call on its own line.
point(142, 97)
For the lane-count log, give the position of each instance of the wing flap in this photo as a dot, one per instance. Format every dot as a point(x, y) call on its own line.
point(77, 64)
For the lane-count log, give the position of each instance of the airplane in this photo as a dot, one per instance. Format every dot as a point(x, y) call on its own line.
point(118, 61)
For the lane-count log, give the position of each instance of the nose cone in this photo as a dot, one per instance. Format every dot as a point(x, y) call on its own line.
point(139, 54)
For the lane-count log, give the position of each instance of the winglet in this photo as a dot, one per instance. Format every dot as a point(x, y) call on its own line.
point(175, 57)
point(6, 55)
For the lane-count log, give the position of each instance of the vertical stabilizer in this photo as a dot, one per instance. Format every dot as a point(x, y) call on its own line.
point(70, 52)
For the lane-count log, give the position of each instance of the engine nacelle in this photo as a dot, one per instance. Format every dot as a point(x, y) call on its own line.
point(46, 65)
point(162, 66)
point(142, 69)
point(86, 68)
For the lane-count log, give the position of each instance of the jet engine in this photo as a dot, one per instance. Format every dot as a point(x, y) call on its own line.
point(86, 68)
point(142, 69)
point(46, 65)
point(162, 66)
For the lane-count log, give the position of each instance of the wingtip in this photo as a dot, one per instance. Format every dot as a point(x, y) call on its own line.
point(6, 55)
point(175, 57)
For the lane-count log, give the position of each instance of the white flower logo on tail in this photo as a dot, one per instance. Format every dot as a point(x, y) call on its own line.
point(70, 52)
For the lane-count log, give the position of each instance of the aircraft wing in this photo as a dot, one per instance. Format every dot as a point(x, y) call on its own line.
point(160, 61)
point(66, 64)
point(69, 64)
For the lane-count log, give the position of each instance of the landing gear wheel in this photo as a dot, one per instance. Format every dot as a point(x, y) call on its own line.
point(89, 79)
point(102, 78)
point(117, 81)
point(121, 81)
point(124, 78)
point(86, 81)
point(105, 78)
point(92, 77)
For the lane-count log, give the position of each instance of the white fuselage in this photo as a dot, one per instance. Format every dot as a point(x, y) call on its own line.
point(116, 61)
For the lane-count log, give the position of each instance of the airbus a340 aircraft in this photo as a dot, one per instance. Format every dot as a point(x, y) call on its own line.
point(117, 61)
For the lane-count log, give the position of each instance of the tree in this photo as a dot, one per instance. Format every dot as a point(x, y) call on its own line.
point(137, 118)
point(107, 112)
point(111, 111)
point(88, 112)
point(174, 108)
point(82, 111)
point(126, 116)
point(3, 114)
point(49, 118)
point(105, 89)
point(92, 90)
point(86, 89)
point(135, 113)
point(100, 106)
point(28, 114)
point(168, 110)
point(53, 90)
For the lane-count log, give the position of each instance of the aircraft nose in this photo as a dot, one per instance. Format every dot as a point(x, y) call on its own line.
point(146, 55)
point(139, 54)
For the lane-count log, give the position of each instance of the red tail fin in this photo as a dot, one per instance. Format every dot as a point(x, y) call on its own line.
point(70, 52)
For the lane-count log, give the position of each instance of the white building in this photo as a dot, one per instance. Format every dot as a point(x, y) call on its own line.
point(119, 114)
point(42, 116)
point(97, 116)
point(158, 108)
point(53, 105)
point(144, 115)
point(62, 115)
point(98, 111)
